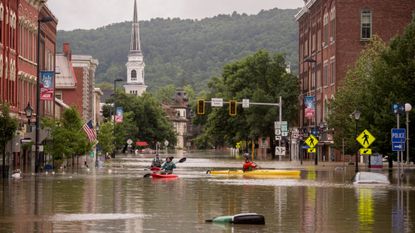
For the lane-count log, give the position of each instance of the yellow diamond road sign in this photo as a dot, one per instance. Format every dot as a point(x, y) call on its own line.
point(312, 150)
point(311, 141)
point(365, 151)
point(365, 138)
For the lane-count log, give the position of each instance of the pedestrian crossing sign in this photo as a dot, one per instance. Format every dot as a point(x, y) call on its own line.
point(311, 141)
point(365, 151)
point(365, 138)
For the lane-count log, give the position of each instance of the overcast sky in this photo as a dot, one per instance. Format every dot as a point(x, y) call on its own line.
point(87, 14)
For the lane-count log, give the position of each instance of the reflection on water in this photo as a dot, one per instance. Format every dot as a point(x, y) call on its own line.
point(322, 200)
point(365, 210)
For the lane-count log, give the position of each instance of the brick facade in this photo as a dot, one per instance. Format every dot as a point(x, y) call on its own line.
point(333, 33)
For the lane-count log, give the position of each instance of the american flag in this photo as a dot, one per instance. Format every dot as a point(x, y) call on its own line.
point(89, 130)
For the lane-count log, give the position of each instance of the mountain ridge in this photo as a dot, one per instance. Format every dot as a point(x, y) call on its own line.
point(186, 51)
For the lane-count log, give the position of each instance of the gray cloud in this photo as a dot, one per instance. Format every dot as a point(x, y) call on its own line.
point(87, 14)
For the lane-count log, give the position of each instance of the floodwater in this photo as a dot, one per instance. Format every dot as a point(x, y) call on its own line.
point(119, 199)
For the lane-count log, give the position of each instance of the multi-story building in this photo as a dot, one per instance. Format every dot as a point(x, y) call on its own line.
point(178, 113)
point(332, 33)
point(75, 82)
point(23, 26)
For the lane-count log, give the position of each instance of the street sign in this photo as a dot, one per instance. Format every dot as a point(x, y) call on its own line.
point(284, 128)
point(398, 135)
point(365, 138)
point(217, 102)
point(278, 138)
point(312, 150)
point(279, 150)
point(398, 146)
point(245, 103)
point(166, 143)
point(398, 108)
point(311, 141)
point(365, 151)
point(278, 132)
point(129, 141)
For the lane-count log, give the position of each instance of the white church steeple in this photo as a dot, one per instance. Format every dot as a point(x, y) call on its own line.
point(135, 65)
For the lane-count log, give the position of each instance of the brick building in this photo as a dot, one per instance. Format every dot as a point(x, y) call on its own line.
point(332, 33)
point(75, 82)
point(19, 31)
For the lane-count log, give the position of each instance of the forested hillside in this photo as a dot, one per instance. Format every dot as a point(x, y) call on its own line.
point(181, 52)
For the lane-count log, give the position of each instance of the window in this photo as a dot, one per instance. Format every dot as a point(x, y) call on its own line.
point(318, 78)
point(325, 74)
point(333, 72)
point(366, 25)
point(1, 22)
point(133, 75)
point(326, 29)
point(332, 24)
point(319, 40)
point(58, 95)
point(313, 77)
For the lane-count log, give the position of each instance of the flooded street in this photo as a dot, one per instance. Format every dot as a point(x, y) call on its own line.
point(119, 199)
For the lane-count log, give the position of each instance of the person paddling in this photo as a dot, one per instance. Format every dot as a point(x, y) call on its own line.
point(156, 161)
point(168, 166)
point(248, 165)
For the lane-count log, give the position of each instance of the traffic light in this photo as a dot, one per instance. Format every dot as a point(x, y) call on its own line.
point(200, 108)
point(233, 105)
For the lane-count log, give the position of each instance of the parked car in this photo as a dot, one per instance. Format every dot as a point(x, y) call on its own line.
point(370, 178)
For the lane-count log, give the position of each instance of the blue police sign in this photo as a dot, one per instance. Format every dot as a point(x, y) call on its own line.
point(398, 135)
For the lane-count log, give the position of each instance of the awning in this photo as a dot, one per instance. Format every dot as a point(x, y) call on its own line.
point(141, 143)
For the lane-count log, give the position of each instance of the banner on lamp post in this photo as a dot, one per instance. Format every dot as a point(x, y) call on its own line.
point(47, 85)
point(309, 107)
point(119, 112)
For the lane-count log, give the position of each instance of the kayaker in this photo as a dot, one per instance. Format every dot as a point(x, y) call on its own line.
point(168, 166)
point(248, 165)
point(156, 161)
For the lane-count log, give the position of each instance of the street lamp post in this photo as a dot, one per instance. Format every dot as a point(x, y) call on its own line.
point(356, 115)
point(39, 22)
point(115, 109)
point(408, 108)
point(28, 111)
point(311, 60)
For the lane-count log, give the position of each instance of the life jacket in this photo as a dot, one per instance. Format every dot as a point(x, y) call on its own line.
point(249, 166)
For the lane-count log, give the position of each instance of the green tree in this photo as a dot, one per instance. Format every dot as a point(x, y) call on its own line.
point(383, 75)
point(261, 77)
point(126, 130)
point(106, 137)
point(151, 122)
point(355, 94)
point(8, 127)
point(68, 139)
point(187, 52)
point(395, 83)
point(165, 94)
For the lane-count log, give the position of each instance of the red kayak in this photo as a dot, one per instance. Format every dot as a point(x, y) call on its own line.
point(163, 176)
point(155, 168)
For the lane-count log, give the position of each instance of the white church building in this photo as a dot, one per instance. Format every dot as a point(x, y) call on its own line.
point(135, 66)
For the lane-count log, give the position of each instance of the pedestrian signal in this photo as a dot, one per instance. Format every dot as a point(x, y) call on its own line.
point(200, 108)
point(233, 107)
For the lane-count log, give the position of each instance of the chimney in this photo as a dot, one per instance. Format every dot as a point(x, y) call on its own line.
point(67, 51)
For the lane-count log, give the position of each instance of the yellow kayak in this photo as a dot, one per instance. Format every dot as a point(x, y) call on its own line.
point(261, 172)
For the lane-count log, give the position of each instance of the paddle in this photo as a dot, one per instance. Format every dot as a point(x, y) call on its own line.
point(180, 161)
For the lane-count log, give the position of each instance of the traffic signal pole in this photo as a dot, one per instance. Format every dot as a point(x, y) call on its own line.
point(201, 108)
